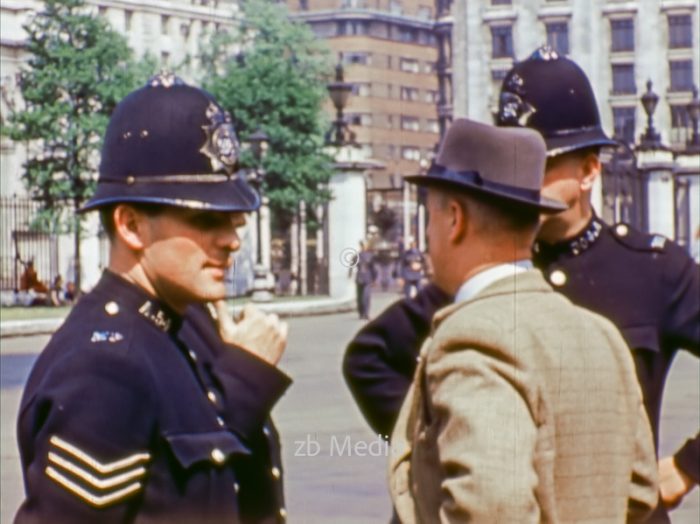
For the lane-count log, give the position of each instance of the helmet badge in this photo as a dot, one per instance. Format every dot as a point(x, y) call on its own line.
point(221, 145)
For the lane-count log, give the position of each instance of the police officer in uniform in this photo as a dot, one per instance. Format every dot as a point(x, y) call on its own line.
point(645, 284)
point(412, 268)
point(365, 275)
point(150, 404)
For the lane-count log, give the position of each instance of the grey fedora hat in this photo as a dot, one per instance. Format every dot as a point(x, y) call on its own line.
point(505, 163)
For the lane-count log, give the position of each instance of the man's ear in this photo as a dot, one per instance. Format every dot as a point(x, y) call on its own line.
point(458, 221)
point(591, 168)
point(130, 226)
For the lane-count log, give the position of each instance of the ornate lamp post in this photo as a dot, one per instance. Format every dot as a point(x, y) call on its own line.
point(339, 91)
point(650, 139)
point(693, 109)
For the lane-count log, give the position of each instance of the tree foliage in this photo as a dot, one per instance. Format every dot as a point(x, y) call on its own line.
point(276, 84)
point(78, 69)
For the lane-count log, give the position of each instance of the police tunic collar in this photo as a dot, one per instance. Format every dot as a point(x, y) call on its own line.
point(572, 246)
point(122, 295)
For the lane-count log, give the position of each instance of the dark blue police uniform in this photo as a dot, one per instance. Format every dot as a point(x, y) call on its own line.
point(412, 265)
point(365, 276)
point(133, 414)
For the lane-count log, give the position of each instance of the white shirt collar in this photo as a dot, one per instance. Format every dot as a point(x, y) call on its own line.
point(485, 278)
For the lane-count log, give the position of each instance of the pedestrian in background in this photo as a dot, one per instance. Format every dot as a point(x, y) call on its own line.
point(146, 406)
point(412, 270)
point(485, 434)
point(365, 275)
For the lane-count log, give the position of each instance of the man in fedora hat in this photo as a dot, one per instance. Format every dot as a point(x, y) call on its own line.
point(656, 307)
point(524, 407)
point(144, 406)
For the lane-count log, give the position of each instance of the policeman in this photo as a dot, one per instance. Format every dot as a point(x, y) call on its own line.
point(145, 405)
point(412, 268)
point(365, 275)
point(647, 285)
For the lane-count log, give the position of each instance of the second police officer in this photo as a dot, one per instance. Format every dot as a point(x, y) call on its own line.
point(648, 286)
point(146, 406)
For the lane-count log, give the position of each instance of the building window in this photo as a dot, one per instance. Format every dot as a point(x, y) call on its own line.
point(164, 24)
point(431, 96)
point(680, 31)
point(408, 34)
point(622, 34)
point(410, 123)
point(680, 124)
point(623, 118)
point(502, 41)
point(165, 58)
point(681, 75)
point(395, 7)
point(425, 12)
point(101, 10)
point(432, 126)
point(357, 58)
point(558, 37)
point(361, 89)
point(501, 2)
point(409, 65)
point(359, 27)
point(410, 153)
point(409, 93)
point(128, 16)
point(360, 119)
point(623, 79)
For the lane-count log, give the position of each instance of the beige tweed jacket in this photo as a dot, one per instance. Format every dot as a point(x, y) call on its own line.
point(524, 408)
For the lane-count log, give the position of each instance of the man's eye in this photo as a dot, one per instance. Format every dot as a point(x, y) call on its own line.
point(207, 220)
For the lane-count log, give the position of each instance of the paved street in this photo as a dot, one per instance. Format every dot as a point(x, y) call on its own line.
point(332, 485)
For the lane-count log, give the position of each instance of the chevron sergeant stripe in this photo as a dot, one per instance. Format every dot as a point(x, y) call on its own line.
point(110, 482)
point(96, 500)
point(110, 467)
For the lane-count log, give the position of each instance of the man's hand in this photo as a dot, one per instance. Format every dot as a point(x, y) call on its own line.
point(261, 334)
point(674, 484)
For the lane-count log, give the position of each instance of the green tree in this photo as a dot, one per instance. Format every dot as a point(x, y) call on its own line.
point(78, 69)
point(276, 84)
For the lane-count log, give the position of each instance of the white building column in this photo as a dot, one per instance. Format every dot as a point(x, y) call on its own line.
point(657, 169)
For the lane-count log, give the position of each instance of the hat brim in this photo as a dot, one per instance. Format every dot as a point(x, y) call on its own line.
point(560, 144)
point(232, 196)
point(542, 204)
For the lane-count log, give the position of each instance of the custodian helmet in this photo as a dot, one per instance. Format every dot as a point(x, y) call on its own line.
point(172, 144)
point(552, 95)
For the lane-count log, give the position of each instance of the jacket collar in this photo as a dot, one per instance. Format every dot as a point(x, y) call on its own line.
point(574, 246)
point(122, 295)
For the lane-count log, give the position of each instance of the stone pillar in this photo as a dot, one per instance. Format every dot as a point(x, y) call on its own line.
point(346, 218)
point(90, 253)
point(421, 227)
point(303, 287)
point(656, 167)
point(265, 233)
point(597, 194)
point(687, 172)
point(406, 212)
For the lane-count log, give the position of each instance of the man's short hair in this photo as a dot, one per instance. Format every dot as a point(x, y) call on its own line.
point(494, 214)
point(107, 215)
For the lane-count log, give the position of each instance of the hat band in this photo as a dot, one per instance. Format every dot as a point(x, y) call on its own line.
point(568, 132)
point(475, 179)
point(170, 179)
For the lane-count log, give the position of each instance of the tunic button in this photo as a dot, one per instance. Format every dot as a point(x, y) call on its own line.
point(236, 487)
point(557, 277)
point(193, 355)
point(211, 396)
point(220, 421)
point(276, 473)
point(111, 308)
point(266, 431)
point(622, 229)
point(283, 513)
point(218, 456)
